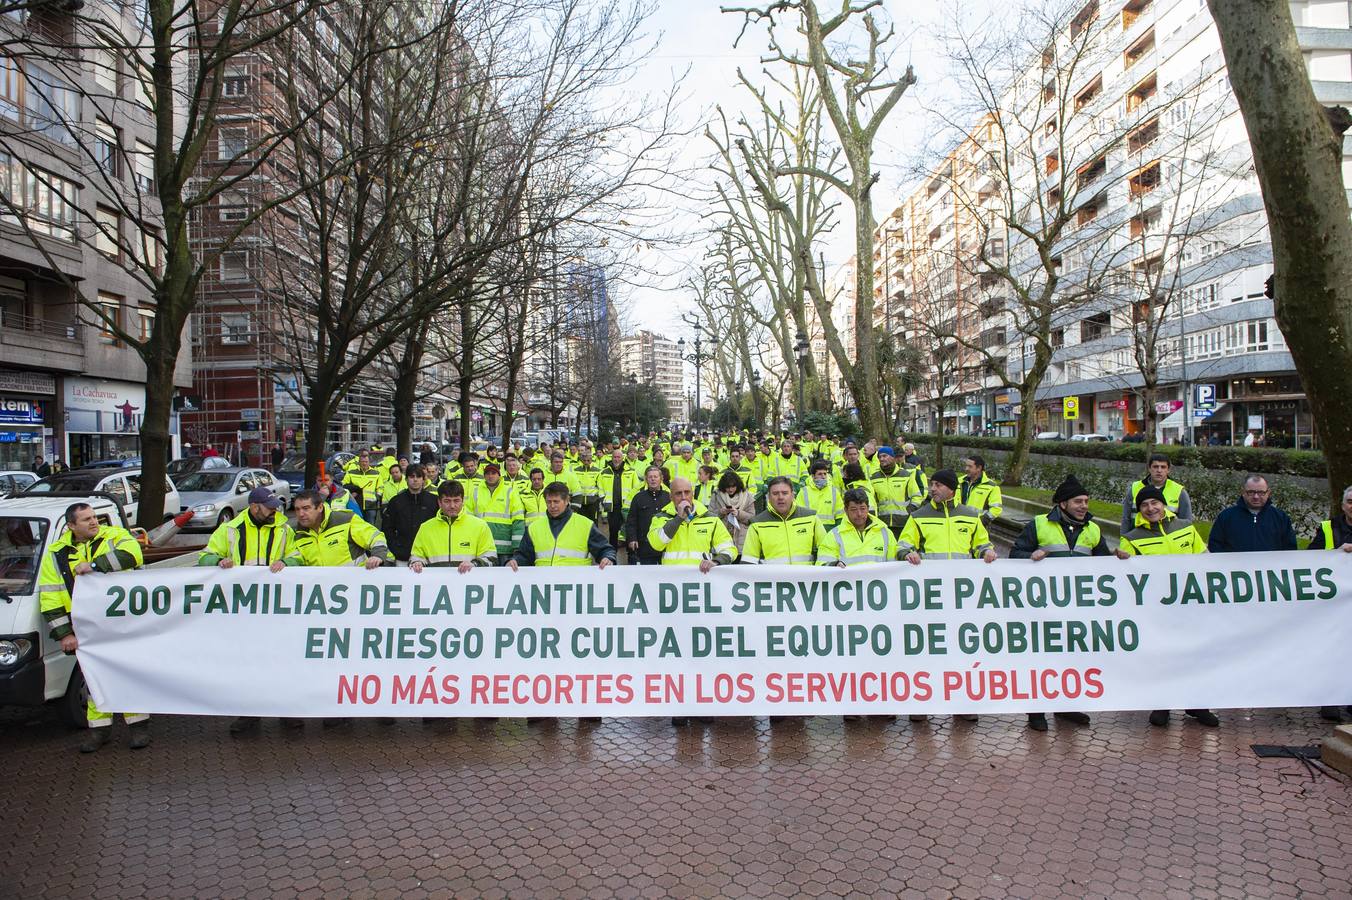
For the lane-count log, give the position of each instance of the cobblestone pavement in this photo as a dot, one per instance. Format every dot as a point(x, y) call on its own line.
point(633, 808)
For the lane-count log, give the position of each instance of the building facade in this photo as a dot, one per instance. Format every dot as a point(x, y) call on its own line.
point(1162, 261)
point(652, 359)
point(76, 159)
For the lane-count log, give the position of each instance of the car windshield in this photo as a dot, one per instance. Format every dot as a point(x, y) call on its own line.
point(293, 461)
point(72, 482)
point(21, 543)
point(183, 466)
point(207, 482)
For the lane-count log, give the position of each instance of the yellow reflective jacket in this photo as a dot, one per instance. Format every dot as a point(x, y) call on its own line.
point(246, 543)
point(946, 531)
point(791, 540)
point(113, 549)
point(687, 542)
point(448, 542)
point(343, 538)
point(846, 543)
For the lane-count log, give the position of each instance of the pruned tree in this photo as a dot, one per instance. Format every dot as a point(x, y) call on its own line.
point(859, 90)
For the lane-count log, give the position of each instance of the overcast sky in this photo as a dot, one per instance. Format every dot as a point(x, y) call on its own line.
point(697, 43)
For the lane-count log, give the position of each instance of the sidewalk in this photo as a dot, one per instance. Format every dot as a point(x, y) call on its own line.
point(633, 808)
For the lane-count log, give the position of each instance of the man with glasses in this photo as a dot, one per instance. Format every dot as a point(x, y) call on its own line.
point(1253, 524)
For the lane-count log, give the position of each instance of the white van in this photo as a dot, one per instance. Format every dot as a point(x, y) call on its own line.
point(33, 668)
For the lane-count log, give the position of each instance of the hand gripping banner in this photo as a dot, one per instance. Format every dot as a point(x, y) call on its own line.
point(1223, 631)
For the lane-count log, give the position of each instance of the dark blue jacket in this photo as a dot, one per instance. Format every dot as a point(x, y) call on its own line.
point(1239, 530)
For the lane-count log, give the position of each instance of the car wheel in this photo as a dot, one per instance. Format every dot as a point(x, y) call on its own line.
point(225, 516)
point(73, 705)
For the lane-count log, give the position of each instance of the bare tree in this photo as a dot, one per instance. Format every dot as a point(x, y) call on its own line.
point(1029, 250)
point(858, 93)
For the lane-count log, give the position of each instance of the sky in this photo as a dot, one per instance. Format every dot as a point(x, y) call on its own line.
point(694, 42)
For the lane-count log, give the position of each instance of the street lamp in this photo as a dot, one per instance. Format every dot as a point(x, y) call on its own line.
point(755, 399)
point(800, 349)
point(698, 358)
point(633, 393)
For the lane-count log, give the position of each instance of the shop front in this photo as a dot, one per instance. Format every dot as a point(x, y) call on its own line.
point(27, 411)
point(103, 419)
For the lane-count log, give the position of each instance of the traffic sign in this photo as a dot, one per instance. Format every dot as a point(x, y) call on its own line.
point(1070, 408)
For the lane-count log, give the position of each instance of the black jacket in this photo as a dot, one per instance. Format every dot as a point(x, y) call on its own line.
point(404, 514)
point(642, 508)
point(1027, 543)
point(1342, 534)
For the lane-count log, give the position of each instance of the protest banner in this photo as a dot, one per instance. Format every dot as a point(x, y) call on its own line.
point(1224, 631)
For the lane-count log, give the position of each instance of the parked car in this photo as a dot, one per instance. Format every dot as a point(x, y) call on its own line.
point(292, 469)
point(189, 464)
point(124, 462)
point(33, 668)
point(123, 485)
point(217, 495)
point(1049, 436)
point(1089, 438)
point(14, 482)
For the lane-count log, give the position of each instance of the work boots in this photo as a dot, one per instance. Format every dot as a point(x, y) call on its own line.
point(140, 735)
point(95, 739)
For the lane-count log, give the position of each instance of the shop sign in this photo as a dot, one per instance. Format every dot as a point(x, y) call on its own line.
point(17, 411)
point(97, 406)
point(1113, 404)
point(974, 410)
point(1165, 407)
point(27, 382)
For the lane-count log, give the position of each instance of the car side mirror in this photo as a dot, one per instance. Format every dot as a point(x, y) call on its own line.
point(241, 489)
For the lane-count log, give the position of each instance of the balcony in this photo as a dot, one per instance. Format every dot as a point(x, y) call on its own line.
point(29, 341)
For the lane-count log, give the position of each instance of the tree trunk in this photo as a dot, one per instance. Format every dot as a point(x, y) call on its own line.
point(1023, 438)
point(318, 415)
point(466, 407)
point(155, 434)
point(939, 433)
point(1149, 395)
point(1298, 155)
point(405, 393)
point(864, 375)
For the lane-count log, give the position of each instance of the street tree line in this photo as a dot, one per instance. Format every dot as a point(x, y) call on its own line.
point(410, 191)
point(1033, 161)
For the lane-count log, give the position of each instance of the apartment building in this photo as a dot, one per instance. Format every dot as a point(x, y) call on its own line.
point(652, 359)
point(1150, 128)
point(76, 152)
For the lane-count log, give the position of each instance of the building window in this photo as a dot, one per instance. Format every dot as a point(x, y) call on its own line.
point(152, 250)
point(1142, 137)
point(48, 202)
point(103, 60)
point(1084, 19)
point(53, 106)
point(1142, 93)
point(108, 232)
point(110, 312)
point(145, 323)
point(233, 206)
point(11, 88)
point(234, 142)
point(107, 147)
point(235, 328)
point(235, 265)
point(144, 161)
point(1089, 93)
point(1139, 50)
point(1248, 337)
point(1144, 181)
point(236, 82)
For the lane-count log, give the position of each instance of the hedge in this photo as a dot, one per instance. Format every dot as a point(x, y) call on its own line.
point(1230, 459)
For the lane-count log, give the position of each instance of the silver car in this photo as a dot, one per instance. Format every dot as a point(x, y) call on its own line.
point(218, 495)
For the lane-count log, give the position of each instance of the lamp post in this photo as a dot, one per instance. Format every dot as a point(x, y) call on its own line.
point(800, 350)
point(698, 358)
point(633, 393)
point(755, 398)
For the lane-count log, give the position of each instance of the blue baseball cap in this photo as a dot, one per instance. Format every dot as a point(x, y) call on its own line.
point(266, 497)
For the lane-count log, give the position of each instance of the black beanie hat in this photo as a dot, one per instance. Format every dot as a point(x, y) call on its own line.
point(1149, 492)
point(1069, 489)
point(947, 477)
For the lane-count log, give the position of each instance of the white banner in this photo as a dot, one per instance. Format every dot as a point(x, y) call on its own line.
point(1242, 630)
